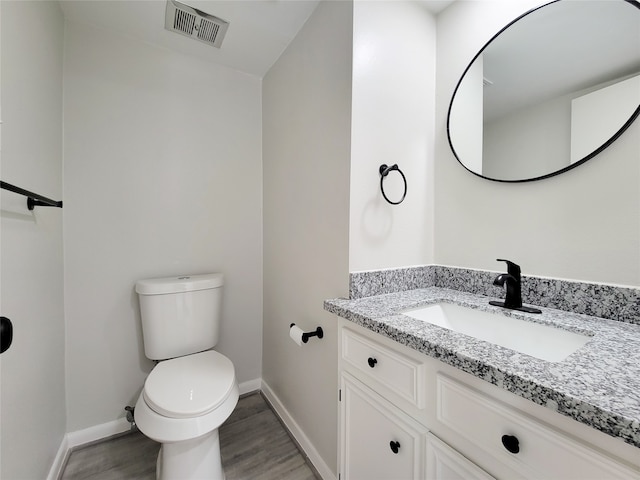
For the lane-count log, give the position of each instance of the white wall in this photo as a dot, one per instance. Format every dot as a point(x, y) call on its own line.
point(162, 177)
point(306, 145)
point(584, 224)
point(530, 142)
point(392, 122)
point(597, 116)
point(32, 370)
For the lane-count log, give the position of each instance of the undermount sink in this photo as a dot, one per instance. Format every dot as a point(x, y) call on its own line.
point(540, 341)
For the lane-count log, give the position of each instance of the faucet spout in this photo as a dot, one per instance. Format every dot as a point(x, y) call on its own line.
point(513, 298)
point(512, 282)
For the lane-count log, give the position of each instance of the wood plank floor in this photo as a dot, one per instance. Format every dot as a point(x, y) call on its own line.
point(254, 445)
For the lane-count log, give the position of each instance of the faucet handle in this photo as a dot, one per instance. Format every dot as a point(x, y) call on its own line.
point(512, 268)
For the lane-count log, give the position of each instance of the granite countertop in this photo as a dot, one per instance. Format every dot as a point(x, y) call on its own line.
point(598, 385)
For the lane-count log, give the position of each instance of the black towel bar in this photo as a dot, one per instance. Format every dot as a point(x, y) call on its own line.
point(33, 199)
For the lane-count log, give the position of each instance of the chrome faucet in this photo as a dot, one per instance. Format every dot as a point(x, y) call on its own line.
point(512, 280)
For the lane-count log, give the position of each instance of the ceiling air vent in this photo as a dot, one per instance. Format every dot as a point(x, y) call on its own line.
point(194, 23)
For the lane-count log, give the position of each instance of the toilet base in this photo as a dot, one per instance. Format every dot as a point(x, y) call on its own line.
point(191, 459)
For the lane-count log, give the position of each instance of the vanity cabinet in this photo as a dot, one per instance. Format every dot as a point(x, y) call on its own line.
point(383, 428)
point(450, 425)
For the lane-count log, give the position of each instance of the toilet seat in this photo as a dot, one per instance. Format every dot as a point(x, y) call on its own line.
point(190, 386)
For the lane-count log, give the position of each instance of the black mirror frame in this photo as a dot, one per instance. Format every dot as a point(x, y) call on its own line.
point(605, 145)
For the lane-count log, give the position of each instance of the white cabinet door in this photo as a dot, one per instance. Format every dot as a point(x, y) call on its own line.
point(444, 463)
point(378, 442)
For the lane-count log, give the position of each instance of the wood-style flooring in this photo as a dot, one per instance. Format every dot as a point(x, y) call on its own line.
point(254, 446)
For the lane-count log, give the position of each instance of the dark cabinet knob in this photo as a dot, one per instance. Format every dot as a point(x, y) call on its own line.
point(6, 334)
point(372, 362)
point(395, 446)
point(511, 443)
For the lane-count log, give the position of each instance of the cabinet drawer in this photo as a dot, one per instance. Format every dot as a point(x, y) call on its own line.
point(537, 451)
point(403, 375)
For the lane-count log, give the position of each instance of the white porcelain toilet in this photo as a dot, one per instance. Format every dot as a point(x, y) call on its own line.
point(192, 390)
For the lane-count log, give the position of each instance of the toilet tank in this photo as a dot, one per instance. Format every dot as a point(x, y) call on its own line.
point(180, 315)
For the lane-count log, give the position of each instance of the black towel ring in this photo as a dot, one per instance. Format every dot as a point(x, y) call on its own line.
point(384, 171)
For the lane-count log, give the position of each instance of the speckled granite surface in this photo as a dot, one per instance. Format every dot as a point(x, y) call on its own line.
point(598, 385)
point(598, 300)
point(377, 282)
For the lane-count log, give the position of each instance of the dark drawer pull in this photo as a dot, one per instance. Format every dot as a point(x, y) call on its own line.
point(511, 443)
point(395, 446)
point(372, 362)
point(6, 334)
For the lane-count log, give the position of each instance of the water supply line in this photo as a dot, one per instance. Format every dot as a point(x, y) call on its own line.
point(131, 416)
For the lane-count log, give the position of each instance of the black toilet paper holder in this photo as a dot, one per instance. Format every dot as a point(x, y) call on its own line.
point(306, 335)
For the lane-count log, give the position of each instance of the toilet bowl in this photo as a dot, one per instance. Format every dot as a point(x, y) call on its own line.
point(183, 403)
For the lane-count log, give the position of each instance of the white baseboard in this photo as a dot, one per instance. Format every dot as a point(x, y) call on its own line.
point(250, 386)
point(295, 430)
point(97, 432)
point(83, 437)
point(55, 472)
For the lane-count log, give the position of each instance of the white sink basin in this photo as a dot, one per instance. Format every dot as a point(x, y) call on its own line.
point(540, 341)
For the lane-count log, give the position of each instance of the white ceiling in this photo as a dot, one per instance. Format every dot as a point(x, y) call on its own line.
point(259, 30)
point(436, 6)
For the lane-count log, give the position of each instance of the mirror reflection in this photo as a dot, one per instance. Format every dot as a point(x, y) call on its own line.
point(548, 92)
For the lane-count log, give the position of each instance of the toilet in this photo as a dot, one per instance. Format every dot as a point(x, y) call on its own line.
point(193, 389)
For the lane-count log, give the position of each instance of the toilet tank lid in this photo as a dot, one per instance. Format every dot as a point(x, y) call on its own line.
point(178, 284)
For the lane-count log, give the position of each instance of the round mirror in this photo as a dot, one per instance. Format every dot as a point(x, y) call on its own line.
point(549, 91)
